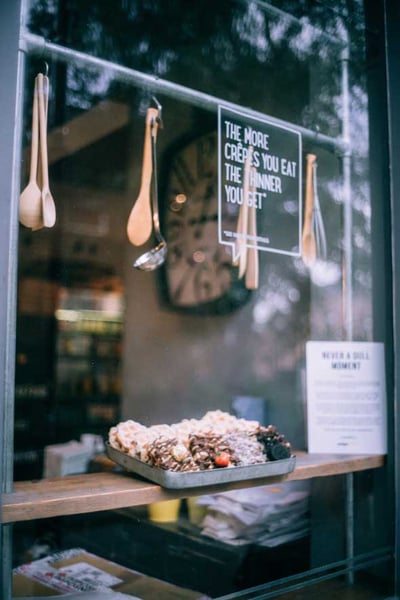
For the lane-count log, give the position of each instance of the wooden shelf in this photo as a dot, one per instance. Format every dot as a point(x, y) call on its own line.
point(77, 494)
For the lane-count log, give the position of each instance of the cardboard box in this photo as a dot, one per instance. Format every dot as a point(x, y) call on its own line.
point(77, 570)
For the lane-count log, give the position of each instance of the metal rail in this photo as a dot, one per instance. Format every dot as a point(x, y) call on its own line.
point(311, 577)
point(34, 44)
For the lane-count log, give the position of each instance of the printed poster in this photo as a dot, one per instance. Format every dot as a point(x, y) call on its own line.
point(346, 398)
point(259, 167)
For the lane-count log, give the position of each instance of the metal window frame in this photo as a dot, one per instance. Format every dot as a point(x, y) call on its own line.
point(392, 47)
point(11, 70)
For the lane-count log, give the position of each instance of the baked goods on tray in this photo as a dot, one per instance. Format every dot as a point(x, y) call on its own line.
point(217, 440)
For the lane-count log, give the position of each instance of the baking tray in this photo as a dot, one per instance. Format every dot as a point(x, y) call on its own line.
point(189, 479)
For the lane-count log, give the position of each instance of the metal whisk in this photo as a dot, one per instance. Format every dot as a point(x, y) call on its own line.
point(318, 223)
point(314, 237)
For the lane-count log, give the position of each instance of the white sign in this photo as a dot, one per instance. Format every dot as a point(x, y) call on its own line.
point(346, 398)
point(259, 168)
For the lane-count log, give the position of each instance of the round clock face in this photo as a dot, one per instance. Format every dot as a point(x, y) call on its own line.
point(199, 270)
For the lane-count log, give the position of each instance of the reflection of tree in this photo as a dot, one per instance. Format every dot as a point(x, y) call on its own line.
point(217, 45)
point(234, 40)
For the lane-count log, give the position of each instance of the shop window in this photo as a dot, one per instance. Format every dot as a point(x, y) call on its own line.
point(275, 97)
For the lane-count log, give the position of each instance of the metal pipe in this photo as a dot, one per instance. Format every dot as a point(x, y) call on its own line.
point(347, 290)
point(349, 511)
point(34, 44)
point(347, 204)
point(14, 64)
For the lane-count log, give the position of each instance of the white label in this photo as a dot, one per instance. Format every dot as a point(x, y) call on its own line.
point(346, 398)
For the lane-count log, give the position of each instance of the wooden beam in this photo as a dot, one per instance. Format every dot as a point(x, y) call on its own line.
point(78, 494)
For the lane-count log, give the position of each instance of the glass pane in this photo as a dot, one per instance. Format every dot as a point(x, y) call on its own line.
point(230, 44)
point(101, 342)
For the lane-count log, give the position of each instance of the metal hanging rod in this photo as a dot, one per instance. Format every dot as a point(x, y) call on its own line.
point(34, 44)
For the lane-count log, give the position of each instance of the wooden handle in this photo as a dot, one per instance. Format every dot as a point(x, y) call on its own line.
point(43, 131)
point(251, 280)
point(235, 261)
point(147, 162)
point(140, 222)
point(39, 177)
point(243, 220)
point(309, 250)
point(309, 203)
point(242, 248)
point(35, 135)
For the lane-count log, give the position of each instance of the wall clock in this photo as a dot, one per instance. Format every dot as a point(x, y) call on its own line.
point(199, 275)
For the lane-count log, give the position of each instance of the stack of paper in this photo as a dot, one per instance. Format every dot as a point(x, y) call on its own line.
point(267, 516)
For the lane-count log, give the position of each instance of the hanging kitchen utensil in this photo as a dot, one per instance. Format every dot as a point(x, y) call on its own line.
point(139, 225)
point(251, 278)
point(243, 231)
point(30, 202)
point(309, 246)
point(242, 223)
point(48, 206)
point(319, 228)
point(156, 256)
point(239, 233)
point(40, 224)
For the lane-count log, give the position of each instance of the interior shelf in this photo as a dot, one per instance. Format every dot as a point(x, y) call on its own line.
point(78, 494)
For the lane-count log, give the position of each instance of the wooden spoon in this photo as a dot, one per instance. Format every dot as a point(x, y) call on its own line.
point(40, 223)
point(48, 206)
point(30, 201)
point(140, 221)
point(309, 245)
point(242, 238)
point(239, 229)
point(243, 221)
point(251, 279)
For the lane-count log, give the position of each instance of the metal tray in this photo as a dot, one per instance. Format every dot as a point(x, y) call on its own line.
point(188, 479)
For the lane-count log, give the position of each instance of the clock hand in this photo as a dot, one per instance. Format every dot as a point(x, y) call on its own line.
point(208, 196)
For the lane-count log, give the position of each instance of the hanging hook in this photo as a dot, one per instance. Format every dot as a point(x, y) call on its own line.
point(46, 68)
point(159, 108)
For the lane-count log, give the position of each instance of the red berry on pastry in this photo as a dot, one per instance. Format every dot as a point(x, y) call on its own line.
point(222, 459)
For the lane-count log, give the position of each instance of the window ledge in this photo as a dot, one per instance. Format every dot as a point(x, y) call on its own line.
point(77, 494)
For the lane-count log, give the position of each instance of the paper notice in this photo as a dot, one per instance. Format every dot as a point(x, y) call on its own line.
point(346, 398)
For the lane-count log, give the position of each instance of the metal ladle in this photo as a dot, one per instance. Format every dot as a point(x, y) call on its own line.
point(320, 235)
point(155, 257)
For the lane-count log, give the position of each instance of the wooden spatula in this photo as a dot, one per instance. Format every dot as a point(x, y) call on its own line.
point(251, 279)
point(244, 215)
point(140, 221)
point(309, 246)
